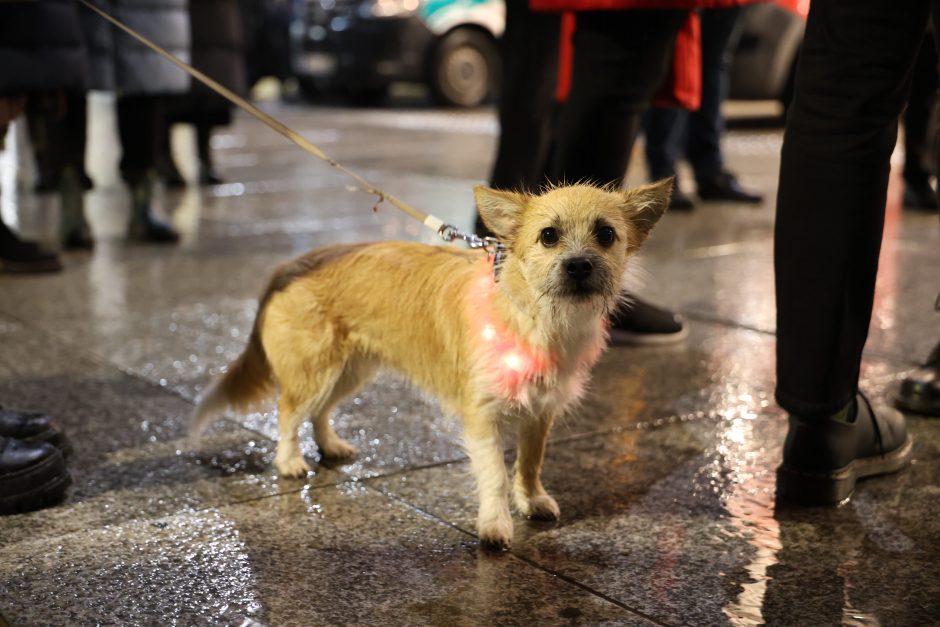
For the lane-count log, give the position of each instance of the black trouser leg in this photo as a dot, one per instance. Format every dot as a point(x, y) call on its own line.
point(851, 83)
point(917, 113)
point(620, 59)
point(527, 96)
point(140, 124)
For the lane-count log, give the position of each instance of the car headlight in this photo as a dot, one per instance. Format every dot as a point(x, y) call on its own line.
point(388, 8)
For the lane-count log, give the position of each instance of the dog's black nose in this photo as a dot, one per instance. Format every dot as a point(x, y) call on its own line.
point(579, 268)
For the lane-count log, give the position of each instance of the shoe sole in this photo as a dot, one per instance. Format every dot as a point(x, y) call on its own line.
point(626, 338)
point(832, 488)
point(30, 267)
point(42, 496)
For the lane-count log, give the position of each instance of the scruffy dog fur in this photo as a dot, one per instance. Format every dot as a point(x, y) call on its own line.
point(511, 348)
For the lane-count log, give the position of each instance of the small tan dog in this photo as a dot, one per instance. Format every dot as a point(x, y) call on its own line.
point(507, 348)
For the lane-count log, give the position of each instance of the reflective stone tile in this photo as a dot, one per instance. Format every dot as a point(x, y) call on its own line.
point(680, 523)
point(131, 456)
point(344, 555)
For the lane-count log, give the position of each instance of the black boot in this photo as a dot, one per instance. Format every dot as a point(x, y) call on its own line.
point(74, 232)
point(33, 427)
point(24, 257)
point(639, 322)
point(32, 475)
point(919, 195)
point(144, 226)
point(823, 458)
point(724, 186)
point(920, 390)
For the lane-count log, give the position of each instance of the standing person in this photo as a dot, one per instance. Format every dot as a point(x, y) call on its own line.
point(218, 52)
point(530, 124)
point(42, 56)
point(142, 80)
point(852, 80)
point(41, 52)
point(674, 132)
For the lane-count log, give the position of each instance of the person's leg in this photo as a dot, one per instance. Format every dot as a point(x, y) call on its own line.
point(16, 255)
point(140, 122)
point(851, 83)
point(620, 59)
point(721, 30)
point(664, 130)
point(207, 173)
point(529, 52)
point(917, 191)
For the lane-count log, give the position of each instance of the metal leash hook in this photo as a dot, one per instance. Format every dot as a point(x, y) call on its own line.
point(493, 247)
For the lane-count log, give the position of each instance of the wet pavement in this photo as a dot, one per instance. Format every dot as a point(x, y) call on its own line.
point(665, 476)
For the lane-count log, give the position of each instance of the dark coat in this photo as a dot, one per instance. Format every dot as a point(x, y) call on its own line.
point(41, 47)
point(218, 42)
point(218, 52)
point(122, 64)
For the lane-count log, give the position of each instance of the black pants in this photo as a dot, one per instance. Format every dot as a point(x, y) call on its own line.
point(620, 60)
point(917, 114)
point(58, 138)
point(527, 96)
point(141, 122)
point(852, 80)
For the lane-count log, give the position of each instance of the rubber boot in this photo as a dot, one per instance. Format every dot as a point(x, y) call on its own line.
point(144, 226)
point(74, 232)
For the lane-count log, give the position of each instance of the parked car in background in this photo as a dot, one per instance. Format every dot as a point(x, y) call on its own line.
point(765, 61)
point(360, 47)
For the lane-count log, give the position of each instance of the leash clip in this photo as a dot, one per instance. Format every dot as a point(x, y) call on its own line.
point(493, 247)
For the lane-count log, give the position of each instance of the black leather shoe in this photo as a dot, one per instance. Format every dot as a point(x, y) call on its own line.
point(24, 257)
point(823, 459)
point(32, 475)
point(725, 187)
point(639, 322)
point(680, 201)
point(919, 195)
point(920, 390)
point(33, 427)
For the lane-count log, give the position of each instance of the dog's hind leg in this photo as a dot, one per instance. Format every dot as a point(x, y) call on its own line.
point(529, 496)
point(357, 371)
point(289, 459)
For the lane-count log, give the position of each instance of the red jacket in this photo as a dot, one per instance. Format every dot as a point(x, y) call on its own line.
point(683, 86)
point(613, 5)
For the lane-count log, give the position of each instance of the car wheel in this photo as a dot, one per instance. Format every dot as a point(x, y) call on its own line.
point(464, 68)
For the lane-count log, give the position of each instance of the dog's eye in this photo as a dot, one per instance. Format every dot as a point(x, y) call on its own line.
point(605, 236)
point(549, 237)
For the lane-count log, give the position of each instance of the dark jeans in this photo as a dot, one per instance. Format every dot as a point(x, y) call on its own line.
point(141, 122)
point(620, 60)
point(852, 80)
point(673, 132)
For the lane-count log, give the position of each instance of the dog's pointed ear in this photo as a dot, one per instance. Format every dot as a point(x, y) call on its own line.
point(643, 207)
point(500, 210)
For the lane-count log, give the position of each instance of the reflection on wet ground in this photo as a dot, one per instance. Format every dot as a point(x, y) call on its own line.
point(665, 476)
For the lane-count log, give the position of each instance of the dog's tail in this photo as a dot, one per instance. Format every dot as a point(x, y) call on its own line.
point(247, 381)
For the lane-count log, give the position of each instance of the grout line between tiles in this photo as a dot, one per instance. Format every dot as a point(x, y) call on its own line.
point(521, 558)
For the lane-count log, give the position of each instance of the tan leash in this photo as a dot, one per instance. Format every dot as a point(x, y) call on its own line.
point(448, 232)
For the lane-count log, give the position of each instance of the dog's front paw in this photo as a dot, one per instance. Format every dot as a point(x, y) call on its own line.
point(337, 449)
point(292, 467)
point(539, 507)
point(496, 534)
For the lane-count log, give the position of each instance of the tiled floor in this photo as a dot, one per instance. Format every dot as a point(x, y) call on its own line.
point(664, 476)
